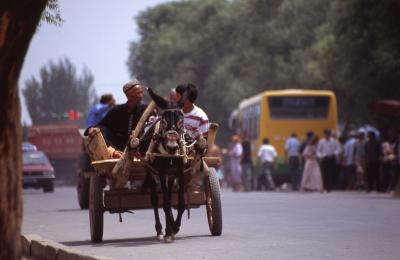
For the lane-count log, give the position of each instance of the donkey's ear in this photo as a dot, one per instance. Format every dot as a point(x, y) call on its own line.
point(160, 101)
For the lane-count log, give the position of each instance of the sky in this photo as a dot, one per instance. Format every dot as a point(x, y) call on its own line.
point(95, 34)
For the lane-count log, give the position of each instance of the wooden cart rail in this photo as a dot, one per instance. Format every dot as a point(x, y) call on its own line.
point(122, 200)
point(104, 167)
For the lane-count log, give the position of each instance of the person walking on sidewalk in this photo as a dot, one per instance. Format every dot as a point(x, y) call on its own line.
point(267, 154)
point(311, 179)
point(292, 148)
point(327, 150)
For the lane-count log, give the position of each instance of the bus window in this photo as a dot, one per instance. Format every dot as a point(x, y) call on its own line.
point(298, 107)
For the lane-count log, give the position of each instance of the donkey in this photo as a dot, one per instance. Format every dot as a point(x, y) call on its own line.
point(165, 161)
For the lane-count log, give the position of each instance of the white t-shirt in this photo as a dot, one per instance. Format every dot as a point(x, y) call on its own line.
point(327, 147)
point(267, 153)
point(196, 122)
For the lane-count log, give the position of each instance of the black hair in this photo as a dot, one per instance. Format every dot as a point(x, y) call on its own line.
point(180, 89)
point(327, 131)
point(265, 141)
point(191, 92)
point(371, 134)
point(104, 99)
point(310, 134)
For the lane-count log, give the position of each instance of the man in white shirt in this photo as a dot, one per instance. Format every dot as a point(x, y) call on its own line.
point(292, 148)
point(327, 150)
point(195, 119)
point(267, 154)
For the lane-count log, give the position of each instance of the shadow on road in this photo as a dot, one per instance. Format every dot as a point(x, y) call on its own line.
point(69, 210)
point(127, 242)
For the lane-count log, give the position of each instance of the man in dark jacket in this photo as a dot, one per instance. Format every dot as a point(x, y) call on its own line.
point(247, 164)
point(119, 122)
point(373, 154)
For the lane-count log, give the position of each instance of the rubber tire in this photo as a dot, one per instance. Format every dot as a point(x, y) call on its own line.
point(96, 209)
point(48, 186)
point(213, 202)
point(82, 188)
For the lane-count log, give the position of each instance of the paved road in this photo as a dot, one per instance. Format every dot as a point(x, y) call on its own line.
point(257, 225)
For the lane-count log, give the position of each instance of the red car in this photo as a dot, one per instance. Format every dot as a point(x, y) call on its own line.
point(37, 171)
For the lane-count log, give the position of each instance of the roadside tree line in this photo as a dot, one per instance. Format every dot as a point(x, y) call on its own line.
point(235, 49)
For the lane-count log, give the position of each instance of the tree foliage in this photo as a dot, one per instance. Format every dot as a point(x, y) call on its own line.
point(52, 13)
point(58, 91)
point(235, 49)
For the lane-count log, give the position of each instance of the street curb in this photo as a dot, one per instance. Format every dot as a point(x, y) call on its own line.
point(38, 248)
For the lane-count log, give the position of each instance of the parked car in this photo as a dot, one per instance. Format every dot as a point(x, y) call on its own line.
point(37, 171)
point(26, 146)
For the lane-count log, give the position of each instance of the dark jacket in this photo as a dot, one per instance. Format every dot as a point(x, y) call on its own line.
point(115, 125)
point(246, 155)
point(373, 151)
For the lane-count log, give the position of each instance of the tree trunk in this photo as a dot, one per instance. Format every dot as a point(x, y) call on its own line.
point(18, 22)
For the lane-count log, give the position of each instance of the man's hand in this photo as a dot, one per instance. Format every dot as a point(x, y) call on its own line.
point(134, 143)
point(201, 145)
point(117, 154)
point(114, 154)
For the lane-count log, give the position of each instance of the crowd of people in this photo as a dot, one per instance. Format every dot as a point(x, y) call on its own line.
point(361, 160)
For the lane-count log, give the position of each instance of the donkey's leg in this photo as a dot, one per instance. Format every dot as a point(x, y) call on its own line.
point(169, 219)
point(154, 203)
point(181, 204)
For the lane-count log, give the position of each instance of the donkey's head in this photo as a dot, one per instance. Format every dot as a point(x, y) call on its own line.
point(171, 126)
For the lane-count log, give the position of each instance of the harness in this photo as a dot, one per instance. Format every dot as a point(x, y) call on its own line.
point(150, 156)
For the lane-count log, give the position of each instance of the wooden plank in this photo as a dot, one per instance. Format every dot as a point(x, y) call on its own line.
point(109, 163)
point(212, 133)
point(124, 199)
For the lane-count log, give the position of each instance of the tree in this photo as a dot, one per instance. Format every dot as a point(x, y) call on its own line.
point(59, 91)
point(235, 49)
point(357, 55)
point(18, 21)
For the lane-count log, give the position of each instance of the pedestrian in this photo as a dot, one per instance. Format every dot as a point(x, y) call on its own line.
point(98, 111)
point(236, 168)
point(267, 154)
point(349, 162)
point(359, 157)
point(340, 174)
point(396, 176)
point(327, 151)
point(292, 155)
point(388, 164)
point(373, 152)
point(309, 137)
point(226, 168)
point(247, 163)
point(215, 151)
point(311, 179)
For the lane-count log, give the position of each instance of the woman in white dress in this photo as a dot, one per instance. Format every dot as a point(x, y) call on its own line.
point(312, 179)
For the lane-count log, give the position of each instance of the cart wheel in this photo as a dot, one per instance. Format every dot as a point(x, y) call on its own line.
point(96, 209)
point(213, 203)
point(82, 188)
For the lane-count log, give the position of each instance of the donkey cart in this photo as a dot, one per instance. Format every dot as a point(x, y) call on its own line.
point(203, 189)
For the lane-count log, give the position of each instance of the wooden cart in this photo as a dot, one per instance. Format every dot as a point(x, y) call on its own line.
point(102, 198)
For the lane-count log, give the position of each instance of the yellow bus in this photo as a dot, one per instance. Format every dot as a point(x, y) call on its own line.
point(276, 114)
